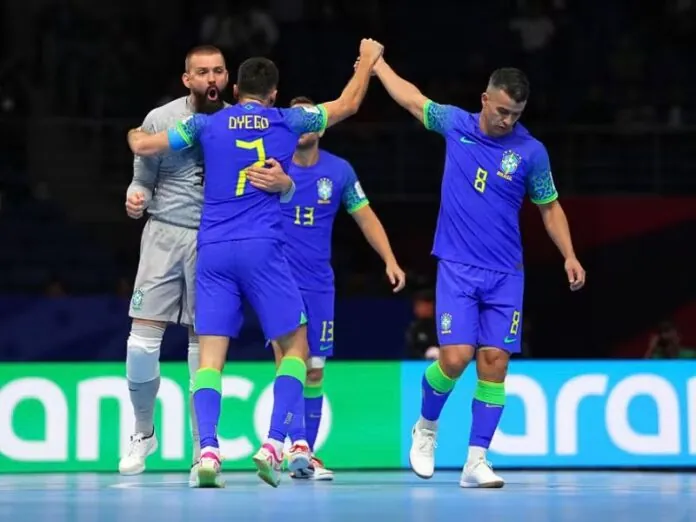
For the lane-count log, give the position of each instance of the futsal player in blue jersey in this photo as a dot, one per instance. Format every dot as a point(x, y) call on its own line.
point(492, 162)
point(324, 182)
point(240, 247)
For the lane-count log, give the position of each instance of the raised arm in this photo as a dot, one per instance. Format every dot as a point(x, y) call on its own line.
point(354, 92)
point(182, 135)
point(403, 92)
point(303, 119)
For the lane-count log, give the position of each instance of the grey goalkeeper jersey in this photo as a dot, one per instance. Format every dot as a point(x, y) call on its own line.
point(172, 182)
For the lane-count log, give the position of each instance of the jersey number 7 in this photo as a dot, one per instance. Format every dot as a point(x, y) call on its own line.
point(260, 162)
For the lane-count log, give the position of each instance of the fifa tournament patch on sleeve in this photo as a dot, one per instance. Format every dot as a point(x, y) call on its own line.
point(359, 190)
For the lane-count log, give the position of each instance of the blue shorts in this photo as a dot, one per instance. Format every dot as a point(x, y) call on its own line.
point(255, 269)
point(320, 322)
point(479, 307)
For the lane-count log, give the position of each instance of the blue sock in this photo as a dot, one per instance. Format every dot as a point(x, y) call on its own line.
point(437, 388)
point(314, 401)
point(486, 409)
point(206, 401)
point(287, 418)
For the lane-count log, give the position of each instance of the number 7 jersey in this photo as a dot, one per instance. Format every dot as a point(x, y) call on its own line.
point(483, 187)
point(234, 139)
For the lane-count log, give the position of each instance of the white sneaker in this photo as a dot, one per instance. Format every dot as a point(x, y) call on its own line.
point(269, 464)
point(299, 457)
point(208, 472)
point(422, 454)
point(193, 475)
point(315, 471)
point(479, 474)
point(141, 447)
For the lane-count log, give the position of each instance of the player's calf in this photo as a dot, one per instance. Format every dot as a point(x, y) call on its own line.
point(437, 385)
point(143, 375)
point(287, 417)
point(314, 399)
point(207, 400)
point(193, 365)
point(487, 408)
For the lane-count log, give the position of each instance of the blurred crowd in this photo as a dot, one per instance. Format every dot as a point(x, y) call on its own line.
point(590, 62)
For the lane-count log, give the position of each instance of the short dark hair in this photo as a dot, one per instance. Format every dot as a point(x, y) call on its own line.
point(511, 81)
point(201, 49)
point(257, 77)
point(301, 100)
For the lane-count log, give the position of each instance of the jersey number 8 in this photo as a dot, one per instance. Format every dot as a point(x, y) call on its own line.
point(480, 181)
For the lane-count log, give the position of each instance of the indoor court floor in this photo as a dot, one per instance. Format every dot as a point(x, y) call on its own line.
point(383, 496)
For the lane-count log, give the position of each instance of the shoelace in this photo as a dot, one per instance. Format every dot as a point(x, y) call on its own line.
point(136, 447)
point(487, 463)
point(427, 444)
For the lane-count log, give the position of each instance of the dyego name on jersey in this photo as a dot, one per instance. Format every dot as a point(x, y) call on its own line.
point(233, 140)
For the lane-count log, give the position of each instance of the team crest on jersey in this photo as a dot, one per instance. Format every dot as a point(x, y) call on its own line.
point(509, 164)
point(445, 323)
point(137, 300)
point(324, 191)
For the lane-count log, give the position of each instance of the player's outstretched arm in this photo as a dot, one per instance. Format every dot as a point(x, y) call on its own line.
point(303, 119)
point(182, 135)
point(354, 92)
point(144, 144)
point(403, 92)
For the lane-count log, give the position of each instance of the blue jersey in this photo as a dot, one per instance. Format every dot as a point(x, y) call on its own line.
point(233, 140)
point(308, 219)
point(483, 188)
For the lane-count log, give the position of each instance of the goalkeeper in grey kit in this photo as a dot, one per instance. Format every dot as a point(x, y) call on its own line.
point(170, 188)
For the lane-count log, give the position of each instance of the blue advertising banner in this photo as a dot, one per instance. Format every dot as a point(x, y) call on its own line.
point(572, 414)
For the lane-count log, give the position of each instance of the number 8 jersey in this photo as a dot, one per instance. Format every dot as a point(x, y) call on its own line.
point(233, 140)
point(484, 184)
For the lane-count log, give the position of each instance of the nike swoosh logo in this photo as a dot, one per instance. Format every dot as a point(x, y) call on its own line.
point(324, 347)
point(509, 340)
point(466, 140)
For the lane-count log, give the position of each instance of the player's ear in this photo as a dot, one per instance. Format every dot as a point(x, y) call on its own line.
point(186, 80)
point(235, 91)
